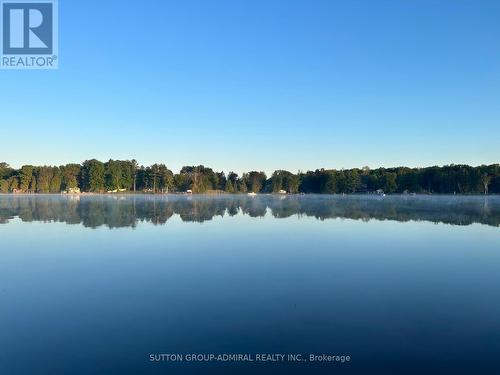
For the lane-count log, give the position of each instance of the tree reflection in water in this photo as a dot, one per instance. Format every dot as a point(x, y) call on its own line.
point(127, 210)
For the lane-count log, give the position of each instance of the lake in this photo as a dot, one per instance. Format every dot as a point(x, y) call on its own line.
point(107, 284)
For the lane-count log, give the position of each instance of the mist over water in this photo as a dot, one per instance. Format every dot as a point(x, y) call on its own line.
point(115, 211)
point(401, 284)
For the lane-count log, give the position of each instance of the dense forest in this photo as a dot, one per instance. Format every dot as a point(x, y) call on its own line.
point(128, 176)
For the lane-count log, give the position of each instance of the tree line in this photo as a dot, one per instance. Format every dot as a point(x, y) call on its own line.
point(128, 176)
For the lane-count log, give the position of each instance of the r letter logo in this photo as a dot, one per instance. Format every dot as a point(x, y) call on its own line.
point(29, 34)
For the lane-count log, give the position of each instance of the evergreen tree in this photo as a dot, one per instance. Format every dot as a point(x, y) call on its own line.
point(229, 187)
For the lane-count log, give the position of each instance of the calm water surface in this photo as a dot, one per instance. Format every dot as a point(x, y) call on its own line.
point(95, 284)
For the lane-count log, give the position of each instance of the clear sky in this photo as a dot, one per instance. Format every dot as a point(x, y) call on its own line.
point(262, 84)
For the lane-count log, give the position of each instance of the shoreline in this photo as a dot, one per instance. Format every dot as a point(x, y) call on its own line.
point(256, 194)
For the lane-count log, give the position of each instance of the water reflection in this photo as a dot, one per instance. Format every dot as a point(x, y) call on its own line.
point(128, 210)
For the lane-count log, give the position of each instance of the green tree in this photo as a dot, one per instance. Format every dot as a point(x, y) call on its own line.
point(486, 180)
point(43, 177)
point(93, 175)
point(221, 181)
point(256, 181)
point(13, 183)
point(4, 186)
point(242, 186)
point(229, 186)
point(182, 182)
point(113, 175)
point(231, 183)
point(166, 178)
point(353, 180)
point(128, 173)
point(390, 184)
point(27, 182)
point(56, 180)
point(5, 171)
point(285, 180)
point(292, 183)
point(330, 184)
point(135, 167)
point(70, 175)
point(277, 181)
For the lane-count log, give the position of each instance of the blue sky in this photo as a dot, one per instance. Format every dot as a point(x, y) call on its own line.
point(243, 85)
